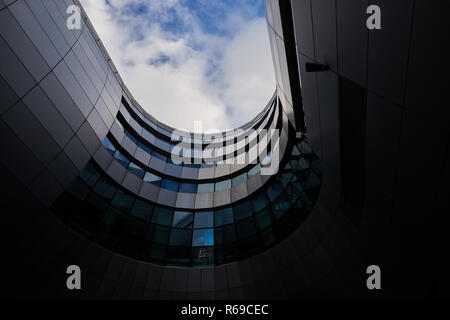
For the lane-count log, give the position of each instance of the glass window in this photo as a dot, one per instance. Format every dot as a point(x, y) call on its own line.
point(245, 229)
point(121, 158)
point(159, 156)
point(239, 179)
point(280, 206)
point(160, 234)
point(154, 179)
point(254, 170)
point(223, 217)
point(183, 219)
point(104, 188)
point(90, 175)
point(148, 136)
point(144, 147)
point(260, 201)
point(180, 237)
point(203, 256)
point(203, 237)
point(204, 219)
point(173, 170)
point(274, 190)
point(162, 216)
point(142, 209)
point(169, 185)
point(242, 211)
point(205, 187)
point(108, 145)
point(222, 185)
point(130, 136)
point(135, 169)
point(262, 219)
point(224, 235)
point(188, 187)
point(122, 200)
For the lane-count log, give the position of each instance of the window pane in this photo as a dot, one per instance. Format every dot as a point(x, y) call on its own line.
point(274, 190)
point(280, 206)
point(260, 201)
point(162, 216)
point(104, 188)
point(242, 211)
point(135, 169)
point(144, 147)
point(169, 185)
point(108, 145)
point(204, 219)
point(159, 156)
point(203, 237)
point(130, 136)
point(180, 237)
point(150, 177)
point(160, 234)
point(222, 185)
point(142, 209)
point(262, 219)
point(224, 235)
point(90, 175)
point(188, 187)
point(205, 187)
point(223, 216)
point(122, 200)
point(239, 179)
point(245, 229)
point(121, 158)
point(183, 219)
point(203, 256)
point(254, 170)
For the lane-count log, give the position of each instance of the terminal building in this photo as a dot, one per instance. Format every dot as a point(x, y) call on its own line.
point(355, 136)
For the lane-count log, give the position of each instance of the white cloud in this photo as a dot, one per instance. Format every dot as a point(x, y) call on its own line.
point(223, 94)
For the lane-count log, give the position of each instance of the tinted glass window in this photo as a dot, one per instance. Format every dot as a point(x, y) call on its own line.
point(222, 185)
point(224, 235)
point(203, 237)
point(204, 219)
point(144, 147)
point(122, 200)
point(121, 158)
point(242, 211)
point(159, 156)
point(188, 187)
point(162, 216)
point(142, 209)
point(260, 201)
point(239, 179)
point(181, 237)
point(108, 145)
point(130, 136)
point(205, 187)
point(183, 219)
point(223, 216)
point(169, 184)
point(134, 168)
point(254, 170)
point(154, 179)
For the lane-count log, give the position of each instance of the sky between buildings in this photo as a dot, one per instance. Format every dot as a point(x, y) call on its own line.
point(190, 60)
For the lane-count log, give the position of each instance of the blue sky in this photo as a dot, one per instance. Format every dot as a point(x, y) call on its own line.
point(190, 60)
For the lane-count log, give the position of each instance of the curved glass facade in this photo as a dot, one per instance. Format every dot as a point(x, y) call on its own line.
point(121, 221)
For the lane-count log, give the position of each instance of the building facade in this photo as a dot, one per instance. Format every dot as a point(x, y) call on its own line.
point(89, 178)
